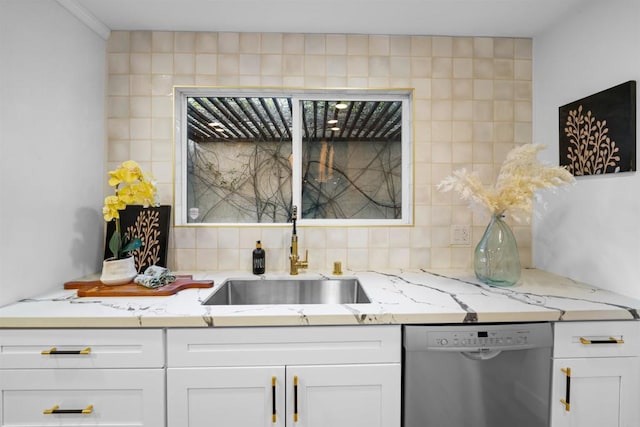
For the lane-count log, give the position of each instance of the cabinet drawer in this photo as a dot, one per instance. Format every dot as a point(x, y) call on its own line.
point(110, 397)
point(596, 339)
point(81, 348)
point(283, 346)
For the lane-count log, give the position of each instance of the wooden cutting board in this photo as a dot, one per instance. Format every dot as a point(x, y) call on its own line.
point(95, 288)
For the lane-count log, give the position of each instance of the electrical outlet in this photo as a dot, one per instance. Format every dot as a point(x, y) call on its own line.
point(461, 235)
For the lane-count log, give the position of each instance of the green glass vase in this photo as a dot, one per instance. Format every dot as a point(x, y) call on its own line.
point(496, 260)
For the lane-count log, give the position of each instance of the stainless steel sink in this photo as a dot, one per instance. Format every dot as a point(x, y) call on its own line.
point(288, 291)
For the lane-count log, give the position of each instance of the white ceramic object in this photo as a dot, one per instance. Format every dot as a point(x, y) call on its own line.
point(118, 271)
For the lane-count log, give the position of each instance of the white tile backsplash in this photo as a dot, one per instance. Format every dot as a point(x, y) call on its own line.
point(206, 238)
point(162, 41)
point(472, 102)
point(357, 237)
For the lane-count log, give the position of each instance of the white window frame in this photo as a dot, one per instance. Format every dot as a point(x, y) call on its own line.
point(180, 147)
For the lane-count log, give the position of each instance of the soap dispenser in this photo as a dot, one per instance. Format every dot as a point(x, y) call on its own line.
point(258, 259)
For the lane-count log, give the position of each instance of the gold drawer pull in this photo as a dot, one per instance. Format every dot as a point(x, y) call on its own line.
point(567, 393)
point(273, 399)
point(53, 351)
point(611, 340)
point(295, 398)
point(56, 410)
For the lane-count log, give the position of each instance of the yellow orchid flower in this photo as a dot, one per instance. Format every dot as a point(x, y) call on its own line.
point(127, 195)
point(112, 204)
point(145, 193)
point(128, 172)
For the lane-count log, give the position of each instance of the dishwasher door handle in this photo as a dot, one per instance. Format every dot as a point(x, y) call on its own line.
point(481, 355)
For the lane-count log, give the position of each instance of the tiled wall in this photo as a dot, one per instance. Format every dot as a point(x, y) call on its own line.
point(472, 103)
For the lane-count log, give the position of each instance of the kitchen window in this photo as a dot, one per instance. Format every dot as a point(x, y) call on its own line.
point(246, 156)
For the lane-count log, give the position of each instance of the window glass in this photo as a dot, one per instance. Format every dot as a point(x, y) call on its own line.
point(352, 159)
point(238, 159)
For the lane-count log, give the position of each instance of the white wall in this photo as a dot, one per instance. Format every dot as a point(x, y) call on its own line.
point(52, 132)
point(592, 232)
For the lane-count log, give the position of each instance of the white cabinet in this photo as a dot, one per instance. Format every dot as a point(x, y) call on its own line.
point(307, 377)
point(231, 396)
point(82, 377)
point(344, 395)
point(596, 374)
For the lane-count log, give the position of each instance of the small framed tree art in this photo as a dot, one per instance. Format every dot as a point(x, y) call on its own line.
point(598, 133)
point(151, 226)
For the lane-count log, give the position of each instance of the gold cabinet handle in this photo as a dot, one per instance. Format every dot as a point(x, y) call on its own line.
point(611, 340)
point(295, 398)
point(273, 399)
point(567, 399)
point(55, 409)
point(54, 351)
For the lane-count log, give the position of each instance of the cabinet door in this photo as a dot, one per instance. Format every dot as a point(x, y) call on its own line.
point(600, 392)
point(229, 397)
point(343, 395)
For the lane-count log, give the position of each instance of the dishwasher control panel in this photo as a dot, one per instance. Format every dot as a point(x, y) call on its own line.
point(480, 337)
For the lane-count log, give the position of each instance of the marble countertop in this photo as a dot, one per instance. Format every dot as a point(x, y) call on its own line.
point(397, 297)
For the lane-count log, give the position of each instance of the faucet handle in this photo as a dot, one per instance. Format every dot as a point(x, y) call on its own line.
point(305, 262)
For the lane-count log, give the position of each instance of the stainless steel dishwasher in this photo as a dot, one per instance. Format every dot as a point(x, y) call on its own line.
point(482, 375)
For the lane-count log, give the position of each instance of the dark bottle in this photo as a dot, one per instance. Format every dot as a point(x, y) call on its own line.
point(258, 259)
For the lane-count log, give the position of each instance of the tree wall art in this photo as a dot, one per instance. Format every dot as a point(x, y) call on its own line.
point(598, 133)
point(151, 225)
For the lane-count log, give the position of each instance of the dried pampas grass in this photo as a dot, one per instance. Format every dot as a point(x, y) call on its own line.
point(520, 176)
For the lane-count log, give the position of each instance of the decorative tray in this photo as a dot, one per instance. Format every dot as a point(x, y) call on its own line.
point(95, 288)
